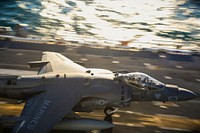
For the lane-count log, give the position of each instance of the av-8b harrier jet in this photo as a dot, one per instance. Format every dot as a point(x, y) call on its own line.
point(63, 87)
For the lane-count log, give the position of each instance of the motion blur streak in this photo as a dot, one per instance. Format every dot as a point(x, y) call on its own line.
point(137, 120)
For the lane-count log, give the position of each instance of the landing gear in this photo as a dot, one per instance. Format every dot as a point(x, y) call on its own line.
point(109, 110)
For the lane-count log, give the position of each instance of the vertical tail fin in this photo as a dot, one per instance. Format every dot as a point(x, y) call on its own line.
point(55, 62)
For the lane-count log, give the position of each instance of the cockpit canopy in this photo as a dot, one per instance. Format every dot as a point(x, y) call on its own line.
point(141, 80)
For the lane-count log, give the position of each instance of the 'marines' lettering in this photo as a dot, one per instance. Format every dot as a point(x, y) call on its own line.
point(36, 118)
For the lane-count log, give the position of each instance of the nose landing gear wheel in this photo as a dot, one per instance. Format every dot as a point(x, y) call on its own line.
point(109, 110)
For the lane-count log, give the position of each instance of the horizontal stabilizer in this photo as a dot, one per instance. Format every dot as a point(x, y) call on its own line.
point(34, 64)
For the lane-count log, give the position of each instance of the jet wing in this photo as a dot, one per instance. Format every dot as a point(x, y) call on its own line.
point(44, 110)
point(57, 63)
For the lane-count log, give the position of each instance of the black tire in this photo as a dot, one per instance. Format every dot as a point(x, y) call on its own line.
point(108, 109)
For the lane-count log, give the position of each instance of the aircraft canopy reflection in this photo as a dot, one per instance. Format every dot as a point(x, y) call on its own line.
point(142, 80)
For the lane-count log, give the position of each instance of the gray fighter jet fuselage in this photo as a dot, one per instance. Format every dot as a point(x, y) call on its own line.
point(63, 86)
point(98, 89)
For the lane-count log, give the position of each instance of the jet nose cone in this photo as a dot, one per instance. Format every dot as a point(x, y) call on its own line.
point(185, 94)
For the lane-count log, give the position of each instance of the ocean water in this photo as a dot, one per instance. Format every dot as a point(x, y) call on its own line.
point(108, 22)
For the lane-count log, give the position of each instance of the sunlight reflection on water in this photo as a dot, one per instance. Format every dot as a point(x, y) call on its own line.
point(95, 21)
